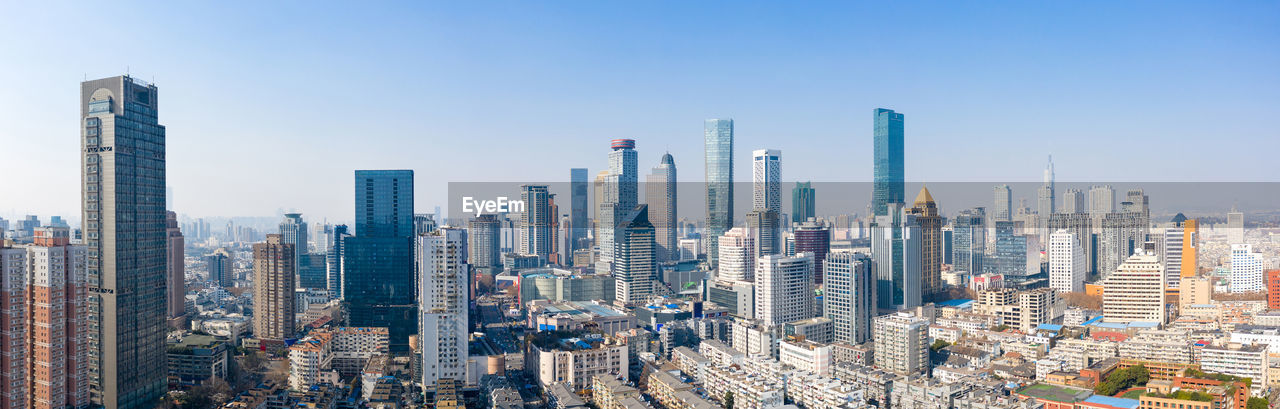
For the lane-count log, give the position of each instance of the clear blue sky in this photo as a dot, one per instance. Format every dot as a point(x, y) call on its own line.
point(273, 105)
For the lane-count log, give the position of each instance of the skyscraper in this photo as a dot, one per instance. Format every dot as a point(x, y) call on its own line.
point(718, 148)
point(175, 272)
point(803, 202)
point(293, 230)
point(763, 226)
point(737, 255)
point(619, 192)
point(273, 290)
point(1003, 209)
point(535, 221)
point(784, 288)
point(1066, 262)
point(123, 180)
point(220, 269)
point(333, 260)
point(1046, 202)
point(442, 326)
point(636, 271)
point(57, 343)
point(889, 153)
point(579, 215)
point(1080, 225)
point(1246, 269)
point(895, 248)
point(660, 195)
point(1017, 256)
point(848, 291)
point(1073, 202)
point(969, 240)
point(815, 238)
point(14, 276)
point(483, 253)
point(926, 212)
point(766, 179)
point(1102, 200)
point(1122, 234)
point(378, 269)
point(1135, 291)
point(1235, 226)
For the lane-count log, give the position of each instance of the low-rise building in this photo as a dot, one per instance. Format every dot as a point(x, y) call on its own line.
point(575, 360)
point(331, 352)
point(577, 315)
point(195, 359)
point(720, 354)
point(806, 356)
point(1242, 360)
point(750, 391)
point(674, 394)
point(819, 329)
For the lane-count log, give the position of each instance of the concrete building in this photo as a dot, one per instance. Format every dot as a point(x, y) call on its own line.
point(617, 200)
point(123, 196)
point(577, 315)
point(483, 253)
point(1245, 361)
point(1235, 227)
point(902, 345)
point(784, 289)
point(1195, 291)
point(737, 255)
point(820, 330)
point(536, 232)
point(926, 213)
point(660, 195)
point(1066, 262)
point(52, 273)
point(444, 304)
point(1024, 310)
point(806, 355)
point(635, 269)
point(378, 269)
point(849, 296)
point(896, 248)
point(555, 284)
point(196, 359)
point(969, 240)
point(273, 290)
point(1134, 292)
point(1002, 208)
point(175, 272)
point(813, 237)
point(330, 353)
point(221, 268)
point(575, 361)
point(293, 230)
point(1246, 269)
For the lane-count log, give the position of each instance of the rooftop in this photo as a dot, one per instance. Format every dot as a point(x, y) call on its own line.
point(1113, 402)
point(1055, 393)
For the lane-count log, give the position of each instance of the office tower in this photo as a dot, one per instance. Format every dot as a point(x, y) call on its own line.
point(718, 151)
point(1136, 201)
point(636, 271)
point(660, 195)
point(848, 295)
point(763, 226)
point(1102, 200)
point(579, 216)
point(378, 270)
point(1235, 226)
point(57, 345)
point(737, 255)
point(766, 179)
point(321, 237)
point(902, 343)
point(1073, 202)
point(175, 271)
point(220, 267)
point(483, 253)
point(1046, 202)
point(969, 240)
point(803, 202)
point(123, 179)
point(273, 289)
point(442, 326)
point(619, 199)
point(1080, 225)
point(889, 170)
point(926, 213)
point(1003, 207)
point(1017, 256)
point(1122, 234)
point(784, 288)
point(815, 238)
point(293, 230)
point(1246, 269)
point(1135, 291)
point(424, 223)
point(333, 260)
point(535, 221)
point(1066, 262)
point(1171, 250)
point(895, 248)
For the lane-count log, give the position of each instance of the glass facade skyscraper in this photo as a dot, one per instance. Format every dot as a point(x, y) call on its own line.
point(378, 268)
point(803, 202)
point(889, 169)
point(123, 180)
point(718, 149)
point(579, 215)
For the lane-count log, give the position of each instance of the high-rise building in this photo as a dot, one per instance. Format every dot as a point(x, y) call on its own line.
point(895, 248)
point(425, 223)
point(1190, 248)
point(1171, 250)
point(220, 267)
point(718, 150)
point(636, 271)
point(1246, 269)
point(1135, 291)
point(969, 240)
point(1235, 226)
point(333, 260)
point(535, 221)
point(175, 272)
point(619, 199)
point(293, 230)
point(926, 213)
point(813, 237)
point(660, 195)
point(764, 228)
point(1046, 199)
point(1066, 262)
point(579, 215)
point(442, 326)
point(1024, 310)
point(123, 180)
point(14, 331)
point(737, 255)
point(784, 288)
point(902, 343)
point(1080, 225)
point(889, 171)
point(766, 179)
point(1016, 256)
point(1073, 202)
point(377, 262)
point(483, 253)
point(1102, 200)
point(1122, 234)
point(1002, 209)
point(803, 202)
point(57, 345)
point(848, 295)
point(273, 290)
point(1273, 289)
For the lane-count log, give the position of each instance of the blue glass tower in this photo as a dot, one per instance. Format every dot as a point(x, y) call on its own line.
point(888, 179)
point(378, 269)
point(718, 137)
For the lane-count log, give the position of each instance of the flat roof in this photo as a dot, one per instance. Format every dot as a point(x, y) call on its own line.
point(1113, 402)
point(1055, 393)
point(956, 303)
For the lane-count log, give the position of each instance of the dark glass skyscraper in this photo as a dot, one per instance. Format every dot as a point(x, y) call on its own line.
point(889, 173)
point(378, 269)
point(123, 180)
point(579, 213)
point(803, 203)
point(718, 149)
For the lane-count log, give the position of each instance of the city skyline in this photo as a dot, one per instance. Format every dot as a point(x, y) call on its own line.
point(1038, 95)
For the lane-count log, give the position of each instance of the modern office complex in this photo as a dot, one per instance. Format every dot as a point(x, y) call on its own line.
point(618, 200)
point(660, 195)
point(377, 262)
point(483, 233)
point(969, 240)
point(849, 295)
point(803, 202)
point(737, 255)
point(536, 233)
point(175, 272)
point(1246, 269)
point(925, 211)
point(1003, 207)
point(813, 237)
point(636, 271)
point(888, 159)
point(718, 150)
point(895, 249)
point(1135, 291)
point(784, 288)
point(579, 209)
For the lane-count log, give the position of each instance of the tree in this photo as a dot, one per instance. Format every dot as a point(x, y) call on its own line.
point(1082, 300)
point(1000, 328)
point(939, 344)
point(252, 361)
point(1257, 403)
point(728, 400)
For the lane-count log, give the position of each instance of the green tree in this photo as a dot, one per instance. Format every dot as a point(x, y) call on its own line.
point(1000, 328)
point(1257, 403)
point(728, 400)
point(939, 344)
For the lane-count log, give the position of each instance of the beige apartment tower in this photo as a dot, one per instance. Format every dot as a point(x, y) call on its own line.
point(273, 290)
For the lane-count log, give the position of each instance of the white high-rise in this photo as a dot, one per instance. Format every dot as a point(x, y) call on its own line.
point(1135, 291)
point(766, 178)
point(1072, 202)
point(1102, 200)
point(1246, 269)
point(737, 255)
point(1002, 211)
point(848, 295)
point(443, 301)
point(902, 345)
point(784, 288)
point(1235, 226)
point(1066, 262)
